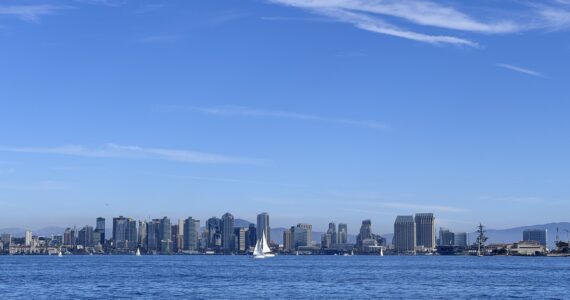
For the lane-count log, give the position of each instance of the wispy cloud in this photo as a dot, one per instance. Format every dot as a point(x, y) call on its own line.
point(520, 70)
point(229, 180)
point(120, 151)
point(241, 111)
point(373, 15)
point(30, 13)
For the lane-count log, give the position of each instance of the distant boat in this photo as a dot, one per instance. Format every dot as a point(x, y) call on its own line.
point(262, 249)
point(59, 254)
point(138, 253)
point(381, 251)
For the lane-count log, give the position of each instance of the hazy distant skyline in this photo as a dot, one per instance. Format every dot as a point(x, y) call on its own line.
point(314, 111)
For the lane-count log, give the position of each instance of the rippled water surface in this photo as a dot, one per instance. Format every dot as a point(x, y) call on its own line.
point(43, 277)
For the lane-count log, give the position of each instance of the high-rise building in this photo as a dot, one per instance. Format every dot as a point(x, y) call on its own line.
point(191, 234)
point(263, 226)
point(214, 232)
point(326, 240)
point(461, 239)
point(165, 235)
point(99, 232)
point(342, 233)
point(240, 237)
point(404, 234)
point(251, 236)
point(142, 235)
point(228, 233)
point(365, 232)
point(152, 238)
point(446, 237)
point(28, 238)
point(303, 235)
point(333, 234)
point(69, 237)
point(288, 243)
point(124, 233)
point(85, 236)
point(425, 230)
point(174, 237)
point(180, 235)
point(537, 235)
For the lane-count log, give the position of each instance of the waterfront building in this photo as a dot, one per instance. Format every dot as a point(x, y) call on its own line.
point(404, 234)
point(342, 233)
point(240, 237)
point(142, 234)
point(333, 234)
point(174, 237)
point(446, 237)
point(263, 226)
point(191, 234)
point(69, 237)
point(180, 235)
point(251, 236)
point(326, 240)
point(214, 232)
point(124, 233)
point(365, 232)
point(165, 235)
point(462, 239)
point(288, 243)
point(228, 232)
point(425, 231)
point(85, 236)
point(152, 239)
point(303, 235)
point(28, 238)
point(537, 235)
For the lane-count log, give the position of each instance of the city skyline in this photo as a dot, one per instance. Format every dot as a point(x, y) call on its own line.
point(314, 111)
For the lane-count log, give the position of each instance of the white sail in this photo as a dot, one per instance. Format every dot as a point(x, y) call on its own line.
point(265, 246)
point(381, 251)
point(258, 251)
point(138, 252)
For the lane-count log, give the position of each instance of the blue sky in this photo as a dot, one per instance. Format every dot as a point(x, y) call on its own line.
point(311, 110)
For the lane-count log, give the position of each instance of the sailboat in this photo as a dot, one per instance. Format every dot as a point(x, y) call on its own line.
point(262, 249)
point(59, 254)
point(381, 251)
point(138, 253)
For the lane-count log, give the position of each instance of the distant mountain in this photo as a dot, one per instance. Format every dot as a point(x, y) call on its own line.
point(241, 223)
point(46, 231)
point(516, 234)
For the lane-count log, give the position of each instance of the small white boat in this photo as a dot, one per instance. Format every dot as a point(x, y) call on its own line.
point(138, 253)
point(59, 254)
point(381, 251)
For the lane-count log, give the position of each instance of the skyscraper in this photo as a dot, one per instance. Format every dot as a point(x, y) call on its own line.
point(165, 235)
point(142, 235)
point(6, 240)
point(425, 230)
point(342, 233)
point(28, 238)
point(69, 237)
point(214, 233)
point(288, 244)
point(228, 234)
point(446, 237)
point(124, 233)
point(263, 226)
point(152, 238)
point(365, 232)
point(240, 237)
point(537, 235)
point(85, 236)
point(404, 234)
point(99, 232)
point(333, 234)
point(303, 235)
point(251, 235)
point(191, 234)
